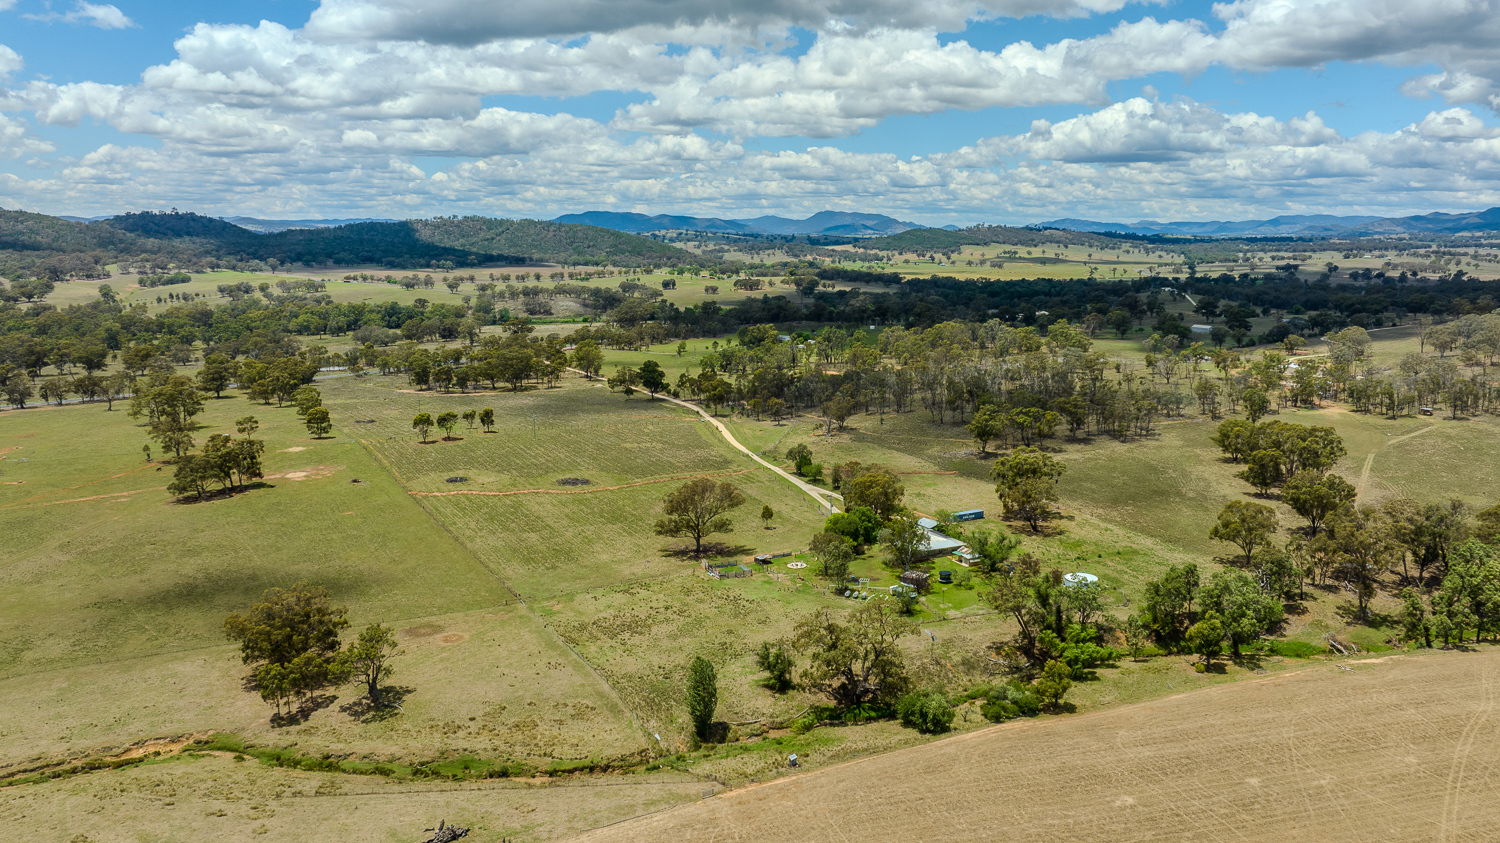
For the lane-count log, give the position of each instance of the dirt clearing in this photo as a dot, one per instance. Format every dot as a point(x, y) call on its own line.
point(1404, 749)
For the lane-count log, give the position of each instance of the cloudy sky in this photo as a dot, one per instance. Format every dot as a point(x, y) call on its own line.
point(936, 111)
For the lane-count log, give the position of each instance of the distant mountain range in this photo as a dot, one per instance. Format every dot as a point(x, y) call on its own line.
point(1314, 225)
point(272, 226)
point(259, 226)
point(825, 223)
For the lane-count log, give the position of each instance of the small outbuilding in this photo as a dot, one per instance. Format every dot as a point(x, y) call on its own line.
point(916, 579)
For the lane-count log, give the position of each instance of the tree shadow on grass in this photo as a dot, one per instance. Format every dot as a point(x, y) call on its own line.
point(392, 696)
point(221, 494)
point(710, 550)
point(1249, 660)
point(1349, 613)
point(304, 709)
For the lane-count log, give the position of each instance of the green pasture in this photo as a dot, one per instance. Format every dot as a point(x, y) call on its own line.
point(207, 285)
point(544, 542)
point(111, 619)
point(100, 557)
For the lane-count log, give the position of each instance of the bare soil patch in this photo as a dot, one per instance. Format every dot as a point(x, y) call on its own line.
point(316, 472)
point(97, 497)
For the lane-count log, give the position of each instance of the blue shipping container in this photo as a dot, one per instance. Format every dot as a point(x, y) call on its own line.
point(969, 515)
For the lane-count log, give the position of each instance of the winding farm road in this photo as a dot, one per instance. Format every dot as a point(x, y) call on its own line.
point(824, 497)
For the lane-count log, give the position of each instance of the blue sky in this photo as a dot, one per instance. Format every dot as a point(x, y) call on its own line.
point(934, 110)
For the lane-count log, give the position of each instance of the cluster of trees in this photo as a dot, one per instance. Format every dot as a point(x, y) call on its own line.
point(1277, 453)
point(1182, 613)
point(224, 461)
point(1057, 621)
point(163, 280)
point(1352, 546)
point(854, 659)
point(26, 290)
point(1467, 600)
point(514, 358)
point(168, 403)
point(291, 640)
point(309, 402)
point(1011, 385)
point(446, 421)
point(627, 379)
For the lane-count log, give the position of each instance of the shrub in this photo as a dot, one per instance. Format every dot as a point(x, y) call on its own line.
point(1007, 702)
point(926, 711)
point(776, 660)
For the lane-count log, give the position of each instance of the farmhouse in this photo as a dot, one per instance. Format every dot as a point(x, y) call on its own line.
point(937, 543)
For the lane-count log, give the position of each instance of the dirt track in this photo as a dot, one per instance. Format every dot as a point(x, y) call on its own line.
point(1406, 748)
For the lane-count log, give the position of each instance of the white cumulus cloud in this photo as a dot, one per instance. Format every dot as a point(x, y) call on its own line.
point(10, 61)
point(471, 22)
point(101, 15)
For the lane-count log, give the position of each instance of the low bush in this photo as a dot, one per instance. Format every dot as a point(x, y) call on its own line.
point(1007, 702)
point(926, 711)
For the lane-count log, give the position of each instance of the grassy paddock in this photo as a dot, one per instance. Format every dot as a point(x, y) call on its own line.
point(101, 564)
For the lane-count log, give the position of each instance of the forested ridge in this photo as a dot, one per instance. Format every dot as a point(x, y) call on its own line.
point(36, 245)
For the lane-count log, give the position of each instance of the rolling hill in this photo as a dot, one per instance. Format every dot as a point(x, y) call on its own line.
point(1314, 225)
point(463, 241)
point(823, 223)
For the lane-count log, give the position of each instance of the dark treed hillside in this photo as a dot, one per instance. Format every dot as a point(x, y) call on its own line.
point(174, 226)
point(464, 241)
point(550, 241)
point(396, 244)
point(22, 231)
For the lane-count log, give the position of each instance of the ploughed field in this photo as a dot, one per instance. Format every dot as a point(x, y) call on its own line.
point(1394, 749)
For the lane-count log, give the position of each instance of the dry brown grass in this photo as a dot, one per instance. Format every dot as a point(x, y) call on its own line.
point(1399, 748)
point(216, 798)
